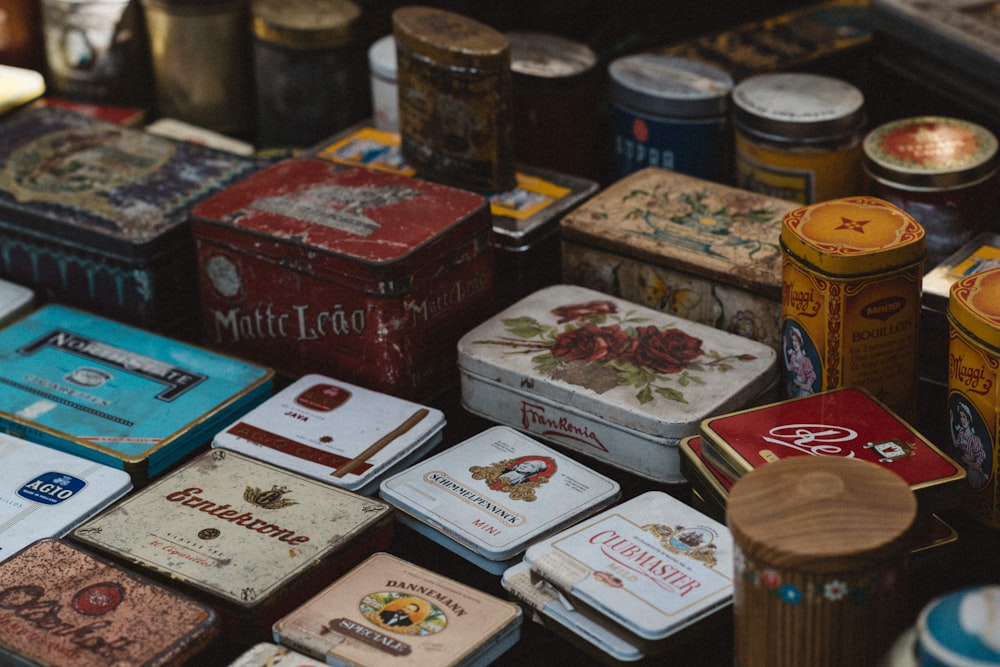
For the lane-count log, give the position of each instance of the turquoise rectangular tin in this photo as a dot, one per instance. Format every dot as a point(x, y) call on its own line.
point(118, 395)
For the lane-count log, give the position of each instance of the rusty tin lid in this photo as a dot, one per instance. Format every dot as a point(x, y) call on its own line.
point(974, 307)
point(669, 86)
point(550, 59)
point(448, 39)
point(305, 23)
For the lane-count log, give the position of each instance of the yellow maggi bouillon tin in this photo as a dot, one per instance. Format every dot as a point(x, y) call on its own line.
point(973, 393)
point(850, 299)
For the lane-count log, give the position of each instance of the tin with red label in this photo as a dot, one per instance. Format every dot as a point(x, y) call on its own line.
point(363, 275)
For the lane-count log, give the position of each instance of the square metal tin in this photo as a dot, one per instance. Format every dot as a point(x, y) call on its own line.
point(64, 606)
point(252, 539)
point(388, 611)
point(335, 432)
point(496, 493)
point(117, 395)
point(608, 378)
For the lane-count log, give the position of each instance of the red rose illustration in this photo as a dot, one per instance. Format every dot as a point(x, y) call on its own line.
point(584, 311)
point(667, 351)
point(590, 343)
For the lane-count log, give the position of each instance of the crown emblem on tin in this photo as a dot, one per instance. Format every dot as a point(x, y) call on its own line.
point(696, 543)
point(269, 500)
point(519, 477)
point(890, 450)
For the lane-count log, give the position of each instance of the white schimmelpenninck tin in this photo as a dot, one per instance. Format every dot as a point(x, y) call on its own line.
point(610, 379)
point(389, 611)
point(335, 432)
point(489, 497)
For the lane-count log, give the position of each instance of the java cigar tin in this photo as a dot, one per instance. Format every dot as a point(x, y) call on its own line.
point(64, 606)
point(687, 246)
point(958, 628)
point(15, 301)
point(336, 432)
point(253, 539)
point(117, 395)
point(489, 497)
point(93, 214)
point(362, 275)
point(847, 423)
point(388, 610)
point(652, 566)
point(608, 378)
point(267, 654)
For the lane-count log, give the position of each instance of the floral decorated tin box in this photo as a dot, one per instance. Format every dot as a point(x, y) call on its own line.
point(607, 378)
point(491, 496)
point(390, 611)
point(690, 247)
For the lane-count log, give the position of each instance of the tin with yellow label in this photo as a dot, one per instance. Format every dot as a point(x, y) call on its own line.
point(850, 299)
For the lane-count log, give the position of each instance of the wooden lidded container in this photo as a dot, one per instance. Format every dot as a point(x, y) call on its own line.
point(820, 546)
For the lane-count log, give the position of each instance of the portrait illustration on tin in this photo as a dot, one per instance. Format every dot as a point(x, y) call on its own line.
point(403, 613)
point(519, 477)
point(801, 361)
point(970, 438)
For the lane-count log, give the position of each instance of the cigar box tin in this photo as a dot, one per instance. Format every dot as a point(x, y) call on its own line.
point(15, 301)
point(700, 250)
point(266, 654)
point(607, 378)
point(121, 396)
point(363, 275)
point(489, 497)
point(336, 432)
point(390, 611)
point(45, 493)
point(652, 566)
point(849, 423)
point(93, 214)
point(64, 606)
point(250, 538)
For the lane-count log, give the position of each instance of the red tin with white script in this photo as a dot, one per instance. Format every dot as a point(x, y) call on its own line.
point(367, 276)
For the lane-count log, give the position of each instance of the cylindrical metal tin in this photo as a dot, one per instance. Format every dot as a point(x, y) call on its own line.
point(798, 136)
point(308, 69)
point(850, 299)
point(384, 91)
point(942, 171)
point(820, 550)
point(670, 112)
point(973, 392)
point(455, 85)
point(960, 629)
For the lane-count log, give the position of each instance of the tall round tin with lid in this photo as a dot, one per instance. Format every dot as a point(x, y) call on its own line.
point(820, 558)
point(942, 171)
point(974, 389)
point(454, 82)
point(670, 112)
point(850, 299)
point(797, 136)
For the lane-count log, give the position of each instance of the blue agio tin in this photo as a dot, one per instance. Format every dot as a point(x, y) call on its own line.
point(670, 112)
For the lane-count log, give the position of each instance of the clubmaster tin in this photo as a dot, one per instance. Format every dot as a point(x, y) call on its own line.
point(253, 539)
point(387, 610)
point(847, 423)
point(335, 432)
point(690, 247)
point(266, 654)
point(93, 214)
point(489, 497)
point(117, 395)
point(652, 566)
point(607, 378)
point(362, 275)
point(46, 493)
point(64, 606)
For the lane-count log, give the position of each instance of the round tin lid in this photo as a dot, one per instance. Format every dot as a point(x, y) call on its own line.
point(932, 152)
point(304, 23)
point(797, 106)
point(853, 236)
point(450, 39)
point(670, 86)
point(961, 628)
point(382, 57)
point(821, 514)
point(550, 57)
point(974, 305)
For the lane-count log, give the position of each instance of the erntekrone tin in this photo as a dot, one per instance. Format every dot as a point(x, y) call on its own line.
point(850, 299)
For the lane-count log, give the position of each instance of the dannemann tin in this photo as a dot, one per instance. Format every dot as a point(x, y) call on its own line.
point(850, 301)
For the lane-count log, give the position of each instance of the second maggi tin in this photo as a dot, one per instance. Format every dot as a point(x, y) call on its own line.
point(850, 299)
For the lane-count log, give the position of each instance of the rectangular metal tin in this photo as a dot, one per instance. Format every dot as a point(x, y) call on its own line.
point(606, 392)
point(117, 395)
point(700, 250)
point(15, 301)
point(350, 622)
point(318, 426)
point(266, 654)
point(197, 527)
point(96, 613)
point(497, 492)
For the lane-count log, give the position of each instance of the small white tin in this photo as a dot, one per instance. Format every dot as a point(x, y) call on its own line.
point(46, 493)
point(266, 654)
point(652, 566)
point(335, 432)
point(15, 301)
point(489, 497)
point(608, 378)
